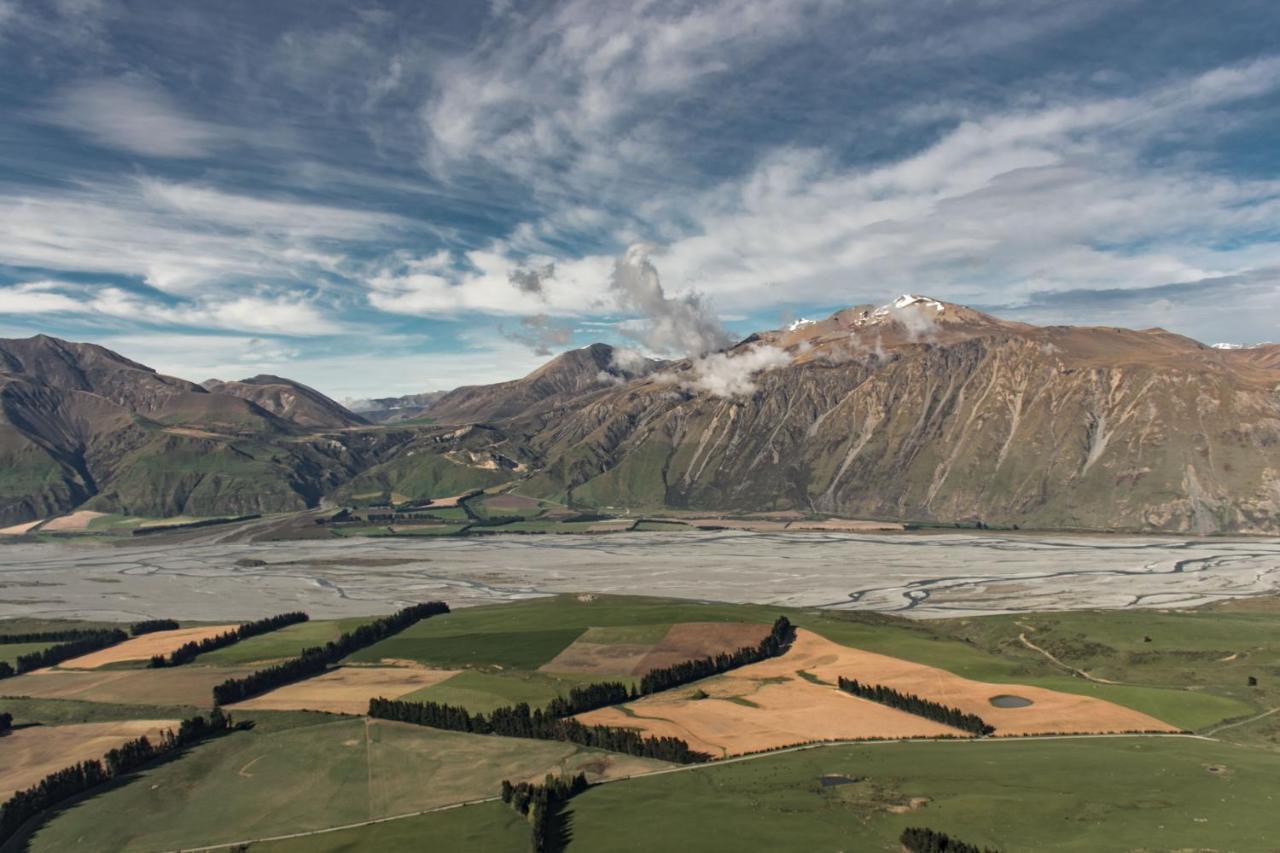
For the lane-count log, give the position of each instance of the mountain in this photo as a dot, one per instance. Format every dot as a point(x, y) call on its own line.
point(589, 371)
point(290, 400)
point(926, 411)
point(918, 410)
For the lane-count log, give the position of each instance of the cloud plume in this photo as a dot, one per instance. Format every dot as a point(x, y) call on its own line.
point(682, 325)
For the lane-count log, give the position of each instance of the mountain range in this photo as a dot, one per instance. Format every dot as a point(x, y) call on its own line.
point(918, 411)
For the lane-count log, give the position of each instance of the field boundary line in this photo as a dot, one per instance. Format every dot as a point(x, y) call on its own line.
point(1243, 722)
point(683, 768)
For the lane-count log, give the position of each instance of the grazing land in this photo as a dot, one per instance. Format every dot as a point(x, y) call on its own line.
point(144, 647)
point(346, 690)
point(247, 785)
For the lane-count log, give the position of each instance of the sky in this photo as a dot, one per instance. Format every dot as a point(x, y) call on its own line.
point(387, 198)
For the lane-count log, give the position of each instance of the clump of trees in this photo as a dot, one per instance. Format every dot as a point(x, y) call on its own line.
point(542, 804)
point(316, 659)
point(777, 642)
point(188, 652)
point(523, 721)
point(150, 626)
point(72, 781)
point(6, 722)
point(921, 840)
point(917, 705)
point(89, 641)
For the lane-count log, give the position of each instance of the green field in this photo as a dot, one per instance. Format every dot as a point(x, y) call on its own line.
point(10, 652)
point(312, 774)
point(284, 643)
point(1109, 794)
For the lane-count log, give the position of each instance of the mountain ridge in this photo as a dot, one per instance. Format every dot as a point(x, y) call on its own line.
point(917, 410)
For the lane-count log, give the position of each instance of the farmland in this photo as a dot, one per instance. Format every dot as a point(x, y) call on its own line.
point(240, 786)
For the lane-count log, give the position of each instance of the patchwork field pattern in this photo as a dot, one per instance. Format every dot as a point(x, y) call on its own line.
point(636, 650)
point(142, 648)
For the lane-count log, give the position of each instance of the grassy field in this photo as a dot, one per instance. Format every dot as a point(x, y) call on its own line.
point(484, 691)
point(482, 828)
point(314, 774)
point(57, 712)
point(284, 643)
point(1082, 795)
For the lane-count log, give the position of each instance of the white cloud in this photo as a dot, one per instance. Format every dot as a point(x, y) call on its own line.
point(135, 115)
point(284, 314)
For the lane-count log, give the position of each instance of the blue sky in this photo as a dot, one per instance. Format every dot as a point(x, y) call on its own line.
point(387, 198)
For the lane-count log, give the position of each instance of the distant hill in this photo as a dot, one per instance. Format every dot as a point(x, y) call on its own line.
point(290, 400)
point(917, 410)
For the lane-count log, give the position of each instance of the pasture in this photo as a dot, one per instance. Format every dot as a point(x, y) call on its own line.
point(317, 773)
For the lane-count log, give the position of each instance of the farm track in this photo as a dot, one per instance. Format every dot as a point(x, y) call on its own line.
point(686, 768)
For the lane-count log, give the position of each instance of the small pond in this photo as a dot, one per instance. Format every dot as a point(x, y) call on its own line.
point(1005, 700)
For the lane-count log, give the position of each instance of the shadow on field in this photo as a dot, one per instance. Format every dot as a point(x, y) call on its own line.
point(561, 830)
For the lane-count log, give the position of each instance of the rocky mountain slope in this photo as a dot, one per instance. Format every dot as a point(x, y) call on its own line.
point(917, 410)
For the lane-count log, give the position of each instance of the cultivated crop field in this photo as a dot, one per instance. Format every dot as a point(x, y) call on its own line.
point(1089, 672)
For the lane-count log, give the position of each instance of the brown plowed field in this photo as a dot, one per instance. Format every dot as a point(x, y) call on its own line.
point(693, 640)
point(769, 705)
point(686, 641)
point(32, 753)
point(347, 689)
point(142, 648)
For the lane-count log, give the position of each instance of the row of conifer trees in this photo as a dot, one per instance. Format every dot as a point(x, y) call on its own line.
point(522, 721)
point(317, 659)
point(542, 805)
point(188, 652)
point(72, 781)
point(917, 705)
point(777, 642)
point(64, 636)
point(89, 641)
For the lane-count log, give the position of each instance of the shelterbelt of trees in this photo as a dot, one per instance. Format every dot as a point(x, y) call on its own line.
point(317, 659)
point(72, 781)
point(89, 641)
point(48, 636)
point(917, 705)
point(188, 652)
point(522, 721)
point(542, 805)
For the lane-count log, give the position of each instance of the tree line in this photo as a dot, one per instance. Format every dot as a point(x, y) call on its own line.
point(62, 785)
point(542, 804)
point(316, 659)
point(921, 840)
point(150, 626)
point(917, 705)
point(90, 641)
point(188, 652)
point(48, 636)
point(522, 721)
point(777, 642)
